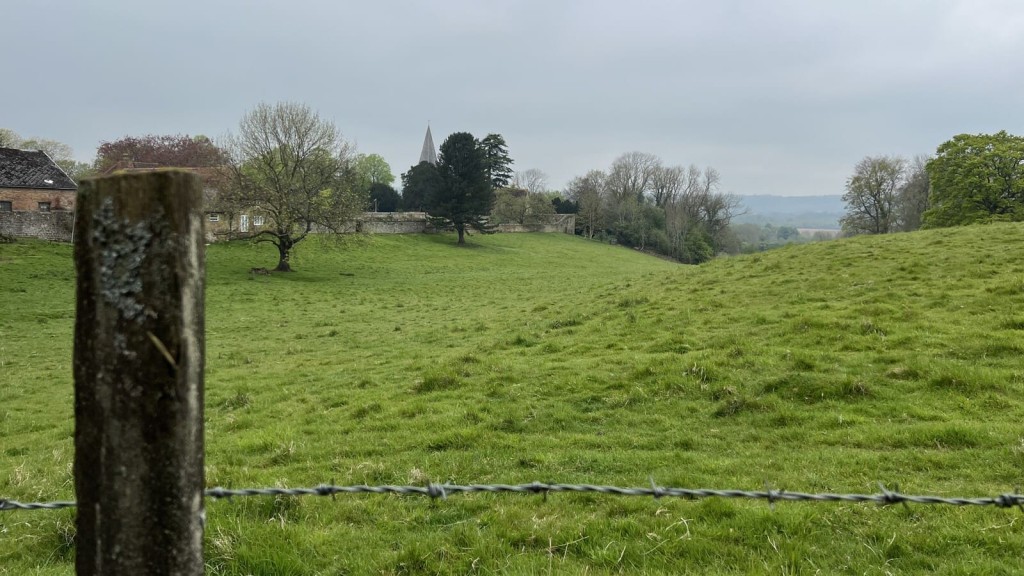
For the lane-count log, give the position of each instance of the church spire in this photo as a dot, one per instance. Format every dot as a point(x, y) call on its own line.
point(428, 154)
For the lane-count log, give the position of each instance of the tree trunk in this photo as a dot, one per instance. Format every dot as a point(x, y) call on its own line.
point(284, 248)
point(461, 229)
point(138, 369)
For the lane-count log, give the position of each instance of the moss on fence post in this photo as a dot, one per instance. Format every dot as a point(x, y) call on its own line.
point(138, 368)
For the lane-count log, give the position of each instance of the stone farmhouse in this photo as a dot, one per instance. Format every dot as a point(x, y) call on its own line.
point(37, 198)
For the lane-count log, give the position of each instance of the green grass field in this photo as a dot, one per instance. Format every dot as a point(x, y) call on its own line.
point(405, 360)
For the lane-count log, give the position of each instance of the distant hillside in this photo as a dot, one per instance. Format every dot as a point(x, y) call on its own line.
point(797, 211)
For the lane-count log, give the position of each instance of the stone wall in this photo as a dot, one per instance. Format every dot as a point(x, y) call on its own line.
point(56, 226)
point(389, 223)
point(392, 223)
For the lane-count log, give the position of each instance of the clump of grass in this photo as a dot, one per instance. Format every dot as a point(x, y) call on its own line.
point(367, 410)
point(632, 301)
point(523, 341)
point(437, 381)
point(239, 401)
point(566, 322)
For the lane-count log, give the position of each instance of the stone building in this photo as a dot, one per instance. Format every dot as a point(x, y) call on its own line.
point(37, 198)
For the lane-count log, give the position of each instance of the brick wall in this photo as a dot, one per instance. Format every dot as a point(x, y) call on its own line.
point(56, 226)
point(28, 199)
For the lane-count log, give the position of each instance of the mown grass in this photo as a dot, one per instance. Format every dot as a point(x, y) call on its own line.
point(403, 359)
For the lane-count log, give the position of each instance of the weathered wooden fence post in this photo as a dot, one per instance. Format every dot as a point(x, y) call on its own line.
point(138, 366)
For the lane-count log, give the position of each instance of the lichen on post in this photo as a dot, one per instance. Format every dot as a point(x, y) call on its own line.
point(138, 369)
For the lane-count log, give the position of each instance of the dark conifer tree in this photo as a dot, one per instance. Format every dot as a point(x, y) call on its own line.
point(465, 196)
point(497, 163)
point(418, 185)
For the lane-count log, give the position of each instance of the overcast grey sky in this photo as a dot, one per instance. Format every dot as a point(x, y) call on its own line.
point(782, 97)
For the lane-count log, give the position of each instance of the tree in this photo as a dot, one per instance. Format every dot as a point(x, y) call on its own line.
point(372, 169)
point(872, 196)
point(418, 184)
point(587, 191)
point(295, 168)
point(666, 184)
point(627, 184)
point(497, 162)
point(465, 196)
point(514, 205)
point(179, 150)
point(534, 181)
point(563, 206)
point(9, 138)
point(913, 195)
point(631, 175)
point(509, 206)
point(976, 178)
point(697, 220)
point(384, 198)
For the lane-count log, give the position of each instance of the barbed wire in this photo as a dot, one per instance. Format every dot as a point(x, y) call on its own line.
point(442, 491)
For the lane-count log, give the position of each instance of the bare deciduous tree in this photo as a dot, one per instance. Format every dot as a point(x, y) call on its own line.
point(667, 182)
point(588, 192)
point(533, 181)
point(294, 168)
point(872, 196)
point(631, 174)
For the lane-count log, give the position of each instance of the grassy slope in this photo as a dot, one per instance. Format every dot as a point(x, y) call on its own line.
point(827, 367)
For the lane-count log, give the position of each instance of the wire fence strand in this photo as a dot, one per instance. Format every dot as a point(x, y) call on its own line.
point(442, 491)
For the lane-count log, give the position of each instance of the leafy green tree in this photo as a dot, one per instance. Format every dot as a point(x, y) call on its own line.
point(421, 182)
point(872, 196)
point(497, 163)
point(563, 206)
point(975, 178)
point(372, 169)
point(914, 194)
point(785, 233)
point(292, 167)
point(509, 206)
point(465, 196)
point(512, 205)
point(384, 198)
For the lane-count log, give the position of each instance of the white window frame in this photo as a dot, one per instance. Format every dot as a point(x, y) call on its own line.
point(257, 220)
point(243, 223)
point(214, 217)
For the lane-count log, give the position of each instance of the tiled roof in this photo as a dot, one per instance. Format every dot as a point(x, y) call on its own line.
point(31, 169)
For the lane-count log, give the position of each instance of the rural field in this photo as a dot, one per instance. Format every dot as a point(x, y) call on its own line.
point(828, 367)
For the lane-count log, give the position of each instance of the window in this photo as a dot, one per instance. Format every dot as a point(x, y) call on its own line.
point(44, 206)
point(243, 223)
point(257, 220)
point(5, 205)
point(214, 217)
